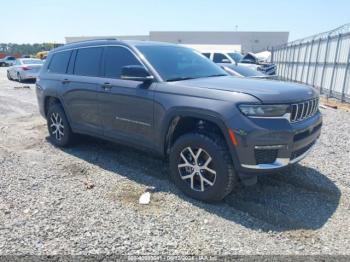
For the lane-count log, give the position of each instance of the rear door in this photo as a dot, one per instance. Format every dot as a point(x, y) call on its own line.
point(81, 85)
point(126, 107)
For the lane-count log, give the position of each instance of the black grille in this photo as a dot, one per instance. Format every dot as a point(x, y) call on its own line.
point(303, 110)
point(301, 151)
point(265, 156)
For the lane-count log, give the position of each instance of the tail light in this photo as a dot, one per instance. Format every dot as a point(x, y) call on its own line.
point(25, 68)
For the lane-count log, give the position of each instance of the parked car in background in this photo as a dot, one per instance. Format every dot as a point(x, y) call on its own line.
point(248, 60)
point(167, 99)
point(24, 69)
point(7, 61)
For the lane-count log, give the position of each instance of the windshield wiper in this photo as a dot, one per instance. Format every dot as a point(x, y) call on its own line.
point(188, 78)
point(179, 79)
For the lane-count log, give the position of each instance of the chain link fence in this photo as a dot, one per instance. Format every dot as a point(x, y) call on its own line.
point(322, 61)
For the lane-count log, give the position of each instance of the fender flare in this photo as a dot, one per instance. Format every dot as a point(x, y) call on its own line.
point(174, 115)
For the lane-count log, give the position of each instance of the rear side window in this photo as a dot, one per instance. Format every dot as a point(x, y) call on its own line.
point(220, 58)
point(59, 62)
point(206, 54)
point(116, 58)
point(87, 61)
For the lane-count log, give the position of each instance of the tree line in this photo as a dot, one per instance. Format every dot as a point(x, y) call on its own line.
point(26, 49)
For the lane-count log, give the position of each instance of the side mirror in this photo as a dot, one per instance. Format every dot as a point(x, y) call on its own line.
point(136, 73)
point(226, 61)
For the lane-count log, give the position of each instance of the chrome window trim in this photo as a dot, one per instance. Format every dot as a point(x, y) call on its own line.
point(138, 55)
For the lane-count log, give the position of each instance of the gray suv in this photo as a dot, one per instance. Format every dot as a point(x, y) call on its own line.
point(214, 129)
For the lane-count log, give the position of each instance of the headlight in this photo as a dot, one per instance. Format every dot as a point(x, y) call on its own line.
point(264, 110)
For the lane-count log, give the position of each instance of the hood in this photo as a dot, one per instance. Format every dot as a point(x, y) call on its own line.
point(264, 56)
point(267, 91)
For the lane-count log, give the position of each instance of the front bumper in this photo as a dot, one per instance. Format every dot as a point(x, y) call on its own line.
point(269, 145)
point(281, 162)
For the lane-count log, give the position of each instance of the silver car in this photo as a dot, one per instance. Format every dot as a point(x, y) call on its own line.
point(24, 69)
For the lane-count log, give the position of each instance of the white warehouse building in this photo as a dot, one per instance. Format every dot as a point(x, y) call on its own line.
point(234, 40)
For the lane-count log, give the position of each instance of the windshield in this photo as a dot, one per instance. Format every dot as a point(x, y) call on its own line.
point(32, 61)
point(236, 56)
point(249, 59)
point(175, 63)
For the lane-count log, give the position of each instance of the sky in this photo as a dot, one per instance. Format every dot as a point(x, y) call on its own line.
point(36, 21)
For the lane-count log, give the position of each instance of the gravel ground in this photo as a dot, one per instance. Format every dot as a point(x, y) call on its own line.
point(84, 200)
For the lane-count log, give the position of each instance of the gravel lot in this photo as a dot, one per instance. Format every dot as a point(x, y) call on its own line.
point(84, 200)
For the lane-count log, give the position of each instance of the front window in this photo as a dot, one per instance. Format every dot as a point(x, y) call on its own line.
point(115, 59)
point(220, 58)
point(175, 63)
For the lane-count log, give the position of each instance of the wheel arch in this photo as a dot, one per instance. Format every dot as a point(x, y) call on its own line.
point(49, 101)
point(175, 118)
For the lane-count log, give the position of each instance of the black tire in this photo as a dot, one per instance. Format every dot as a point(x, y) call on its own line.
point(19, 78)
point(63, 136)
point(213, 146)
point(8, 76)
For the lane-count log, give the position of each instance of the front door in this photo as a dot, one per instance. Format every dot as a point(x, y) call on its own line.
point(126, 107)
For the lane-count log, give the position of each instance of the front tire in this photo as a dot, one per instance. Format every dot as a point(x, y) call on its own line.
point(201, 167)
point(58, 126)
point(19, 78)
point(9, 76)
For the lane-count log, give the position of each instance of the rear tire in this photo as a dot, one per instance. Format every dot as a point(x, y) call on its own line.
point(201, 166)
point(59, 129)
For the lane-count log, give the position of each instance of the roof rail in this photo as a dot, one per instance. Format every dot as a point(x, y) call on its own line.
point(89, 40)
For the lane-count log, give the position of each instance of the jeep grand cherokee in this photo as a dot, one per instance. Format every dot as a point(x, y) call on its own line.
point(215, 129)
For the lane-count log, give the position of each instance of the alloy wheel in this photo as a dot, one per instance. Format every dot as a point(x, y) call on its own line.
point(196, 168)
point(56, 125)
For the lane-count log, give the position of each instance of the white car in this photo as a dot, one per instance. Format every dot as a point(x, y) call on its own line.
point(249, 60)
point(24, 69)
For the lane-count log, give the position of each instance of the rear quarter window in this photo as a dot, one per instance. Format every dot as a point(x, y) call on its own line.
point(59, 62)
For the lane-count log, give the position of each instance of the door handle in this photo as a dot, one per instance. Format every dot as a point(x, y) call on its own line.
point(107, 86)
point(65, 81)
